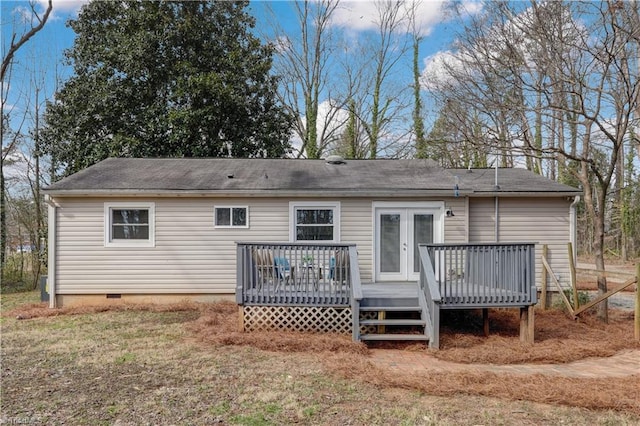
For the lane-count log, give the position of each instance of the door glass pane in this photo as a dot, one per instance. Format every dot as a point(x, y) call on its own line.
point(389, 243)
point(422, 234)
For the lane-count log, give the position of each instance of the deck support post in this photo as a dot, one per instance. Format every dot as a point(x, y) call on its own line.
point(485, 321)
point(527, 324)
point(636, 316)
point(241, 318)
point(382, 315)
point(545, 297)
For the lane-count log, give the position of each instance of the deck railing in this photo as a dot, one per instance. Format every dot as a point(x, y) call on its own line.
point(484, 275)
point(356, 293)
point(429, 297)
point(295, 274)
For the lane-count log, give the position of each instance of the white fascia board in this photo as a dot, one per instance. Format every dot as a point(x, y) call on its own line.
point(525, 194)
point(259, 193)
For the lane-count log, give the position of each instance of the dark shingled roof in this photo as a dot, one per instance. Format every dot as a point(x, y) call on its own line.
point(508, 180)
point(282, 176)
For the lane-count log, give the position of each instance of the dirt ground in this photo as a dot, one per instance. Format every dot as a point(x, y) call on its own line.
point(188, 364)
point(622, 270)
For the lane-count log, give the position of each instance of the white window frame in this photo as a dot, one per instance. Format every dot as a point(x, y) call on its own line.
point(231, 225)
point(309, 205)
point(110, 242)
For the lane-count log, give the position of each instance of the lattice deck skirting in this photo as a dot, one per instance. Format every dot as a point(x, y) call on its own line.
point(297, 318)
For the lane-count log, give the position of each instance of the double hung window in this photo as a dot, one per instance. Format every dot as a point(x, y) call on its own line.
point(129, 224)
point(315, 221)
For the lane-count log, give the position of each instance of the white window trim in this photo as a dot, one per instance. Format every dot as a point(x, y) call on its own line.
point(334, 205)
point(215, 225)
point(151, 242)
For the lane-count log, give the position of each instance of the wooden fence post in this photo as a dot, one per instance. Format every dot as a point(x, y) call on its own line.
point(636, 323)
point(572, 270)
point(543, 288)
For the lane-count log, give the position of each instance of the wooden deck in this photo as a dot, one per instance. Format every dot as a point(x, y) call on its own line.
point(458, 297)
point(468, 276)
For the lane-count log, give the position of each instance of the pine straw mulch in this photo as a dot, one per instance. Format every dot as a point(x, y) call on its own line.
point(217, 324)
point(618, 394)
point(559, 339)
point(42, 310)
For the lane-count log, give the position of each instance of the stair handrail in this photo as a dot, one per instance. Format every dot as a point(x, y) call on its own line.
point(430, 295)
point(356, 292)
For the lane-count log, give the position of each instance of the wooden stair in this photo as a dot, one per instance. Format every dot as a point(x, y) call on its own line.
point(399, 314)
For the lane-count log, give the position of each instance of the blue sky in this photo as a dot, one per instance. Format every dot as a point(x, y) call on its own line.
point(44, 51)
point(41, 60)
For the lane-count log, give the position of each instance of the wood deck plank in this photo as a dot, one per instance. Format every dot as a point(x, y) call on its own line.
point(385, 337)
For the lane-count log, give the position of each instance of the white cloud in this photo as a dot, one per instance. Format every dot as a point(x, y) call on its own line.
point(470, 7)
point(436, 73)
point(363, 15)
point(329, 121)
point(62, 8)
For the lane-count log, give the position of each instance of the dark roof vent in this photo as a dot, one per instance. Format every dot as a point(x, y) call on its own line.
point(335, 159)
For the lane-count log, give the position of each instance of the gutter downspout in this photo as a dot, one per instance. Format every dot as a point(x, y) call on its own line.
point(573, 227)
point(497, 224)
point(496, 187)
point(51, 255)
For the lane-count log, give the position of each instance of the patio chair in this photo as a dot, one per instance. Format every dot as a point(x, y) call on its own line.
point(339, 267)
point(263, 261)
point(283, 270)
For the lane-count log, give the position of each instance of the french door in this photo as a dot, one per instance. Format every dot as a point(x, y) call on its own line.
point(398, 233)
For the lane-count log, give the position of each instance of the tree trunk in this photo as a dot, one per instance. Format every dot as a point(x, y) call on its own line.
point(598, 245)
point(595, 210)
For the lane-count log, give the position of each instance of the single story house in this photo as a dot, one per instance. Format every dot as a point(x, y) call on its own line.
point(164, 230)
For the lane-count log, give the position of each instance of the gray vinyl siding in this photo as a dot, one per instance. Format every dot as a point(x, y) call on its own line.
point(455, 227)
point(544, 221)
point(356, 226)
point(482, 219)
point(190, 255)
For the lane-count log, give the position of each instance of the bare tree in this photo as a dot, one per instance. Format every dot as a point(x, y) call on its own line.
point(418, 123)
point(454, 138)
point(558, 81)
point(388, 50)
point(16, 41)
point(304, 65)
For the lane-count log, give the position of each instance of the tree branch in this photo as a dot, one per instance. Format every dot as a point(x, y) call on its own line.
point(14, 47)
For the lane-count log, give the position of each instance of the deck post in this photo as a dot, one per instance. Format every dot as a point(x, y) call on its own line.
point(527, 324)
point(485, 321)
point(240, 277)
point(543, 287)
point(382, 315)
point(636, 320)
point(241, 318)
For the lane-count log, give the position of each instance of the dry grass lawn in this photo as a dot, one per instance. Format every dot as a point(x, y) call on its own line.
point(187, 364)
